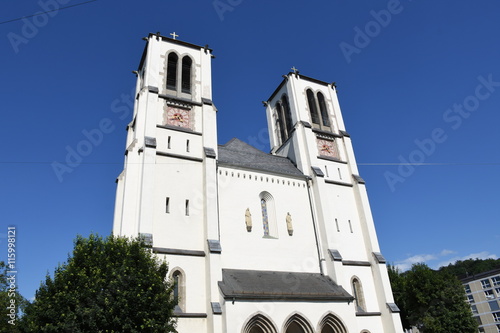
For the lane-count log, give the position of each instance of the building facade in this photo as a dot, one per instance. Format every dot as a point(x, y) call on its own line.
point(483, 295)
point(256, 242)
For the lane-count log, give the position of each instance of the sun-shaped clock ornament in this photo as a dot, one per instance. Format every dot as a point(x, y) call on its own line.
point(178, 117)
point(328, 148)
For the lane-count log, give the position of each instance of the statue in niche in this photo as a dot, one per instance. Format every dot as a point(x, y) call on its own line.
point(289, 225)
point(248, 220)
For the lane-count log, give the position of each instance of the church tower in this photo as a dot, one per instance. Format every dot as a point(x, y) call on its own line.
point(256, 242)
point(306, 126)
point(166, 192)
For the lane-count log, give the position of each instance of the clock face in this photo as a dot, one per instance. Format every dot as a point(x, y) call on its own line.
point(328, 148)
point(178, 117)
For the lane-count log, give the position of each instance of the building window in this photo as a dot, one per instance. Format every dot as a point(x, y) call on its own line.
point(323, 110)
point(359, 298)
point(498, 327)
point(496, 280)
point(496, 316)
point(493, 305)
point(498, 291)
point(281, 124)
point(467, 289)
point(283, 119)
point(486, 283)
point(265, 216)
point(172, 71)
point(470, 298)
point(186, 74)
point(167, 205)
point(474, 309)
point(268, 214)
point(489, 294)
point(318, 110)
point(187, 207)
point(312, 107)
point(288, 114)
point(179, 290)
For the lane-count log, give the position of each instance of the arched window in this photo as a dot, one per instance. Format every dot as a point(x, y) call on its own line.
point(281, 124)
point(259, 323)
point(323, 110)
point(297, 324)
point(265, 216)
point(268, 215)
point(331, 324)
point(172, 71)
point(283, 119)
point(288, 115)
point(359, 298)
point(186, 74)
point(313, 110)
point(318, 110)
point(179, 290)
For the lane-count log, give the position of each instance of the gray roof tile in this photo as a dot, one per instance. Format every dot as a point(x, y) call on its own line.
point(251, 284)
point(240, 154)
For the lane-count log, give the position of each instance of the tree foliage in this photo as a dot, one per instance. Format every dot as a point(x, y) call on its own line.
point(107, 285)
point(10, 300)
point(432, 301)
point(471, 267)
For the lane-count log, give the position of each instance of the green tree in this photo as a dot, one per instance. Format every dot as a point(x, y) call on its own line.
point(433, 301)
point(107, 285)
point(470, 267)
point(398, 289)
point(11, 301)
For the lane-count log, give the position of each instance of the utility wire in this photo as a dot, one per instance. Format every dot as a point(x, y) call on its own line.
point(53, 10)
point(259, 163)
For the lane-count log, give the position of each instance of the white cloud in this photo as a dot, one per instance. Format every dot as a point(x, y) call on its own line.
point(480, 255)
point(406, 264)
point(446, 252)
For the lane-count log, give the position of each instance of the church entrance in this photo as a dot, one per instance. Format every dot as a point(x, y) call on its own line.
point(327, 329)
point(256, 330)
point(294, 328)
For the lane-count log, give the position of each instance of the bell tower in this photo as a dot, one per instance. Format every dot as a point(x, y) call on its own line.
point(305, 125)
point(173, 124)
point(167, 190)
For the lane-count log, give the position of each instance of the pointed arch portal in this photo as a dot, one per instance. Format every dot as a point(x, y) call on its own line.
point(259, 324)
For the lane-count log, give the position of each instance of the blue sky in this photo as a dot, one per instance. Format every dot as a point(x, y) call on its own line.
point(418, 82)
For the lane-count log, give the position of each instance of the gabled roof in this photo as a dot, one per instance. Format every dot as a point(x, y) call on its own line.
point(240, 154)
point(252, 284)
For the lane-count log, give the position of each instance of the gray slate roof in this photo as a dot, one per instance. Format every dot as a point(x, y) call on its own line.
point(240, 154)
point(251, 284)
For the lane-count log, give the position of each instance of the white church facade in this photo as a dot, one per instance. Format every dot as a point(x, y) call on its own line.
point(280, 242)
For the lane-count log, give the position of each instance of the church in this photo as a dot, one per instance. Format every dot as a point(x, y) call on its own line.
point(256, 242)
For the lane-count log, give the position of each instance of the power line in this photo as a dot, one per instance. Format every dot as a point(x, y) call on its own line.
point(48, 11)
point(263, 163)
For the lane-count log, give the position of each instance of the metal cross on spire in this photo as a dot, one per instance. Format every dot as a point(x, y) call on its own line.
point(295, 70)
point(174, 35)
